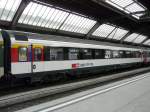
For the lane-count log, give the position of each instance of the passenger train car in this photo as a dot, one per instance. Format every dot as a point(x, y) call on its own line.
point(35, 56)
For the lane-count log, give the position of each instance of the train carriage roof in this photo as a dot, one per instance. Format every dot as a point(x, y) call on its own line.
point(34, 37)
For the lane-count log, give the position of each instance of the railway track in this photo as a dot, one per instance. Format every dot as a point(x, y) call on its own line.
point(21, 97)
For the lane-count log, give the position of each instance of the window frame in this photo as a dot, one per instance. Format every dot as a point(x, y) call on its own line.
point(106, 50)
point(62, 54)
point(34, 53)
point(26, 53)
point(82, 54)
point(78, 53)
point(102, 54)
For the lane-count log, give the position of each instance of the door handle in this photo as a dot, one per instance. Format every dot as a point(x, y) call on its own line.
point(34, 66)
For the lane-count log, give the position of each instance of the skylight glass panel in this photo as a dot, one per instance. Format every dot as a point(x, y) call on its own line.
point(122, 3)
point(131, 37)
point(8, 9)
point(113, 4)
point(147, 42)
point(117, 34)
point(78, 24)
point(43, 16)
point(139, 39)
point(135, 8)
point(128, 6)
point(103, 31)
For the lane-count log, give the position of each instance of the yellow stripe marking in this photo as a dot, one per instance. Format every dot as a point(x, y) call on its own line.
point(19, 45)
point(37, 46)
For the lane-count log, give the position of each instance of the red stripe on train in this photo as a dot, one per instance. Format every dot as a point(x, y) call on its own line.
point(14, 54)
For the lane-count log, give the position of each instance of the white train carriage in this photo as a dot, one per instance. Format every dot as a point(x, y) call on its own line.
point(35, 55)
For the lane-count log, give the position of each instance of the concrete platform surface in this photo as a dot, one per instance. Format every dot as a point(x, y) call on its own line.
point(129, 95)
point(140, 104)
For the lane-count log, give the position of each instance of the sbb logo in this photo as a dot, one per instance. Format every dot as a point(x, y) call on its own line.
point(76, 65)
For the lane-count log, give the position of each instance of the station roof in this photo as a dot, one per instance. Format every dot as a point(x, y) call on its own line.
point(118, 21)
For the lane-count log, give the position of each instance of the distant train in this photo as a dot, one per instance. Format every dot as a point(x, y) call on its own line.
point(36, 57)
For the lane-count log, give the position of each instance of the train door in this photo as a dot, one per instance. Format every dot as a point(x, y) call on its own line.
point(1, 56)
point(145, 57)
point(20, 61)
point(37, 58)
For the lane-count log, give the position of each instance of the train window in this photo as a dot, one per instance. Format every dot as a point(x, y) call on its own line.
point(144, 54)
point(148, 54)
point(99, 53)
point(128, 54)
point(108, 54)
point(47, 53)
point(66, 53)
point(85, 54)
point(136, 54)
point(121, 53)
point(116, 54)
point(37, 54)
point(56, 54)
point(73, 54)
point(23, 54)
point(133, 54)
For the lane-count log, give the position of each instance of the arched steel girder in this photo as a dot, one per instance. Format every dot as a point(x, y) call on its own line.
point(18, 13)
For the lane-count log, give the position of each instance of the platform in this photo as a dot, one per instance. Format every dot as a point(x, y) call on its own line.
point(129, 95)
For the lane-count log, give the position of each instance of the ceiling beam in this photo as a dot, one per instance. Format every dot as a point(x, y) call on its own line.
point(123, 38)
point(139, 12)
point(146, 3)
point(18, 13)
point(145, 18)
point(92, 30)
point(145, 40)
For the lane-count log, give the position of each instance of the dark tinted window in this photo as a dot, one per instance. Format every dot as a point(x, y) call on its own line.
point(148, 54)
point(128, 54)
point(37, 54)
point(21, 37)
point(137, 54)
point(86, 54)
point(99, 53)
point(47, 53)
point(134, 54)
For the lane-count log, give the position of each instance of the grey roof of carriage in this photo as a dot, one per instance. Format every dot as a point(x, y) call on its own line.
point(68, 39)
